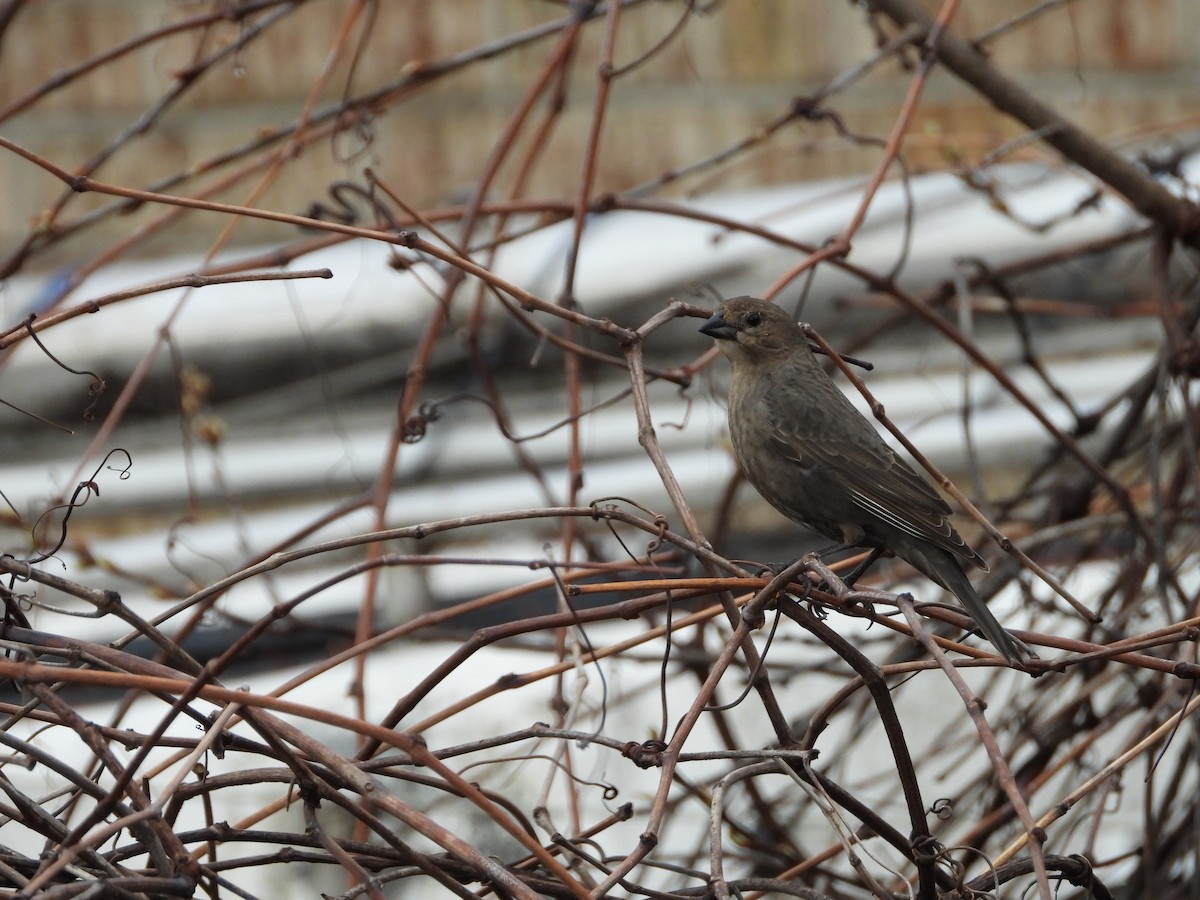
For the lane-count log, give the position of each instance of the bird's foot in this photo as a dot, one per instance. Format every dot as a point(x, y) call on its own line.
point(818, 608)
point(797, 576)
point(857, 600)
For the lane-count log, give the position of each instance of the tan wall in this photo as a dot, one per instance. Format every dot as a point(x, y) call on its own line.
point(1124, 69)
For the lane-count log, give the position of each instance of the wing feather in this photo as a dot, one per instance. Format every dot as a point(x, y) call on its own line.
point(882, 485)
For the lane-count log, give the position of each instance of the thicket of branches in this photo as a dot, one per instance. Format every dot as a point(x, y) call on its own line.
point(760, 775)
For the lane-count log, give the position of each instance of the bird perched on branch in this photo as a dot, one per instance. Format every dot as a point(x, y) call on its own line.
point(821, 463)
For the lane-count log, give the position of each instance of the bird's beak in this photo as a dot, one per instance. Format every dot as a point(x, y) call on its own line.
point(718, 328)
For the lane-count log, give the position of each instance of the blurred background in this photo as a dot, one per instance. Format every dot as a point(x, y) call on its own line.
point(342, 266)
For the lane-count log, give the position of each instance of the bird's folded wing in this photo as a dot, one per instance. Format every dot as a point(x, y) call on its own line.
point(879, 483)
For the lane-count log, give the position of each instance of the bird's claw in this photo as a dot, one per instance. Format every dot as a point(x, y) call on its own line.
point(818, 608)
point(856, 600)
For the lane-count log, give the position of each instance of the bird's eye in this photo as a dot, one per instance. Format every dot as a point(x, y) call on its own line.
point(754, 320)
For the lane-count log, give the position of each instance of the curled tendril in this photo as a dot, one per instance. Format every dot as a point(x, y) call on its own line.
point(929, 849)
point(15, 605)
point(95, 390)
point(609, 791)
point(645, 755)
point(349, 200)
point(660, 525)
point(124, 471)
point(614, 502)
point(415, 427)
point(943, 808)
point(83, 490)
point(603, 505)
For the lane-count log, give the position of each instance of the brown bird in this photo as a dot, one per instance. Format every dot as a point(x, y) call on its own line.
point(821, 463)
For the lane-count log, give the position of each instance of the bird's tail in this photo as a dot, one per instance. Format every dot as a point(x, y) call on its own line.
point(944, 569)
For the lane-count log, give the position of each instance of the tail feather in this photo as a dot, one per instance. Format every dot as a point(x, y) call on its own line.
point(945, 570)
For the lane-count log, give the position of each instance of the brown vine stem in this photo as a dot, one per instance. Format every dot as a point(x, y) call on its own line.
point(184, 80)
point(648, 439)
point(975, 709)
point(1178, 216)
point(840, 246)
point(17, 333)
point(670, 756)
point(66, 76)
point(405, 239)
point(36, 673)
point(908, 109)
point(340, 115)
point(384, 800)
point(890, 720)
point(572, 367)
point(1067, 803)
point(414, 382)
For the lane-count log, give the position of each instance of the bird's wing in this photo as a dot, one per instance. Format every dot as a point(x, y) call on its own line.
point(879, 483)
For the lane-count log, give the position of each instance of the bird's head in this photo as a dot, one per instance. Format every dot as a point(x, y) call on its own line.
point(748, 330)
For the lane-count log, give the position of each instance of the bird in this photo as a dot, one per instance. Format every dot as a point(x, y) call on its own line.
point(814, 457)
